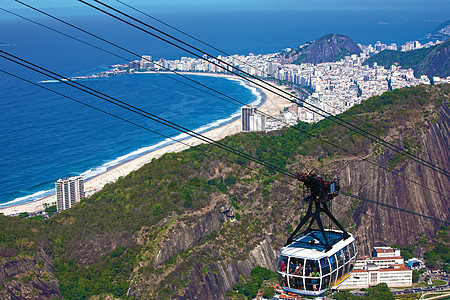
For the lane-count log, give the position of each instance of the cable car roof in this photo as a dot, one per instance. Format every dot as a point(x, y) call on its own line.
point(311, 245)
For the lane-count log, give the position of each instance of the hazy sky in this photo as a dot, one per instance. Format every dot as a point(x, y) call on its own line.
point(250, 4)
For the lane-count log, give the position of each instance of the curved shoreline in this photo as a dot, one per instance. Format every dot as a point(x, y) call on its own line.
point(270, 104)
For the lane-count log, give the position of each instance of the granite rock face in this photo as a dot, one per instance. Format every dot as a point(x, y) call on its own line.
point(24, 277)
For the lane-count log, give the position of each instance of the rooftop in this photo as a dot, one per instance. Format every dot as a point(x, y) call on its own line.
point(312, 246)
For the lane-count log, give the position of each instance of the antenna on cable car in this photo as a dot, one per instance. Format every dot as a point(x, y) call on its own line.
point(321, 192)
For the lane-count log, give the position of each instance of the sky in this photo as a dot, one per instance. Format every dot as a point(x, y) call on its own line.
point(250, 4)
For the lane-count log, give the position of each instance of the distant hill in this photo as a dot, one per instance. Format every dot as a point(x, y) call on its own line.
point(329, 48)
point(433, 61)
point(437, 62)
point(442, 31)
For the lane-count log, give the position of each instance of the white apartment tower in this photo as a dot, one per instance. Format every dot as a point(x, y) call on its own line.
point(68, 192)
point(251, 119)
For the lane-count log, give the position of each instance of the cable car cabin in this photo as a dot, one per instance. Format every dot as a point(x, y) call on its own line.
point(305, 267)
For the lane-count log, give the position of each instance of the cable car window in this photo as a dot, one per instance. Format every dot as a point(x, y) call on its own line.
point(333, 278)
point(282, 264)
point(311, 266)
point(346, 254)
point(312, 283)
point(333, 262)
point(352, 264)
point(296, 266)
point(352, 250)
point(283, 280)
point(325, 265)
point(296, 283)
point(346, 268)
point(340, 259)
point(325, 282)
point(340, 272)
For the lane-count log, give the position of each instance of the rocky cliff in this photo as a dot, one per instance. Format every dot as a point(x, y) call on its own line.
point(329, 48)
point(27, 277)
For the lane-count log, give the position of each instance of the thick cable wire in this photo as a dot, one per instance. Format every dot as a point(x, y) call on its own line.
point(331, 117)
point(177, 73)
point(179, 128)
point(137, 110)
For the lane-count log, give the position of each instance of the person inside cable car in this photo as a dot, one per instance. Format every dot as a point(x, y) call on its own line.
point(308, 269)
point(296, 282)
point(284, 281)
point(299, 270)
point(295, 265)
point(292, 265)
point(312, 267)
point(315, 273)
point(282, 264)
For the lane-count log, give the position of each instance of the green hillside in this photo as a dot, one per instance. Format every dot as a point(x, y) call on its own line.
point(432, 61)
point(109, 243)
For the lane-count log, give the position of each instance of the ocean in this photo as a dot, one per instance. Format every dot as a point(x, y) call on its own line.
point(45, 136)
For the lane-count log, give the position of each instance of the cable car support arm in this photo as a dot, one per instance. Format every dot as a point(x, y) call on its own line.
point(321, 193)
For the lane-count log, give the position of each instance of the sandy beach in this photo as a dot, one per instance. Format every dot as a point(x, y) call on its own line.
point(272, 105)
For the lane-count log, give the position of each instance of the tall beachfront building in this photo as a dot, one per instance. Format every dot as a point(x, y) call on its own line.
point(251, 120)
point(68, 192)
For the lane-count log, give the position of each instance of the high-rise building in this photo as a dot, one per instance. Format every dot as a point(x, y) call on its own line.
point(251, 120)
point(257, 122)
point(246, 112)
point(146, 62)
point(68, 192)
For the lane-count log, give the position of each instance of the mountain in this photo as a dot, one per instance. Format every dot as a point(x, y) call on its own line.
point(433, 61)
point(329, 48)
point(189, 225)
point(437, 62)
point(442, 31)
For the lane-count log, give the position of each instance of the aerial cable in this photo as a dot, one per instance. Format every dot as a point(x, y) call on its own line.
point(393, 207)
point(167, 123)
point(378, 218)
point(227, 54)
point(192, 37)
point(128, 51)
point(331, 117)
point(138, 125)
point(305, 132)
point(179, 141)
point(137, 110)
point(138, 28)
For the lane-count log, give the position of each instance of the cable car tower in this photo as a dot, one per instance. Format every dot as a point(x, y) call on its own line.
point(315, 260)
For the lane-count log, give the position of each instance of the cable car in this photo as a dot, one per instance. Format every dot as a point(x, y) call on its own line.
point(315, 260)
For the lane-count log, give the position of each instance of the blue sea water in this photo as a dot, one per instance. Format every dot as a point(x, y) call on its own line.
point(44, 136)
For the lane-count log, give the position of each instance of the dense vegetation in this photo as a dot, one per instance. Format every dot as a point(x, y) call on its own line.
point(439, 255)
point(110, 241)
point(248, 287)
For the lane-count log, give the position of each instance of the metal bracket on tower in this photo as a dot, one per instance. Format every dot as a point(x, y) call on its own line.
point(322, 192)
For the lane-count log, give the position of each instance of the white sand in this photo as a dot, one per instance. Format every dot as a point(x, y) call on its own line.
point(272, 105)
